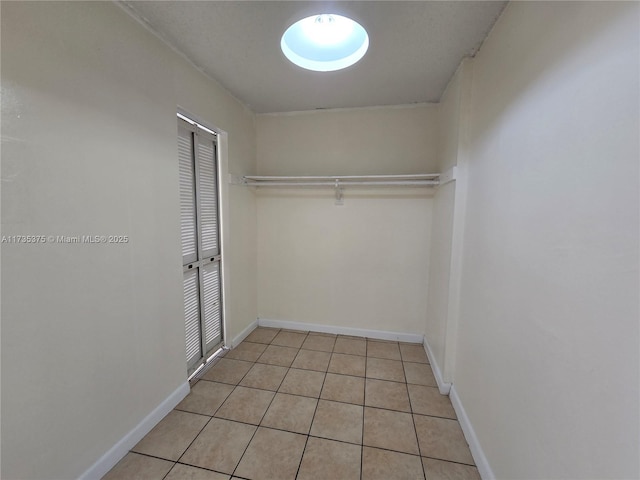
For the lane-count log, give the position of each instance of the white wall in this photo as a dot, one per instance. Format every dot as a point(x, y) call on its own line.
point(547, 358)
point(93, 335)
point(444, 203)
point(360, 265)
point(366, 141)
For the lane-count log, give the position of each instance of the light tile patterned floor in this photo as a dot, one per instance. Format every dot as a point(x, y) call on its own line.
point(308, 406)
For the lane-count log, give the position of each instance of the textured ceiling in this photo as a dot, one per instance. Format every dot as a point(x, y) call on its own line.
point(414, 49)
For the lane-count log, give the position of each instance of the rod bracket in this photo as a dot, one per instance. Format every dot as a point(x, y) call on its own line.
point(339, 195)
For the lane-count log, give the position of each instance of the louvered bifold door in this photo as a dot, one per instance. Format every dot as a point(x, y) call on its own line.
point(200, 241)
point(208, 195)
point(209, 248)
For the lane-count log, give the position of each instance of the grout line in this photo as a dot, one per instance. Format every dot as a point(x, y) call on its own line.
point(194, 439)
point(391, 381)
point(261, 419)
point(153, 456)
point(324, 375)
point(270, 427)
point(384, 449)
point(185, 450)
point(310, 426)
point(415, 430)
point(364, 402)
point(201, 467)
point(235, 421)
point(316, 350)
point(335, 440)
point(404, 373)
point(172, 467)
point(252, 436)
point(450, 461)
point(437, 416)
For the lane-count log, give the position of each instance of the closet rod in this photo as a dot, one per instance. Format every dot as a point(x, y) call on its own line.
point(407, 183)
point(421, 176)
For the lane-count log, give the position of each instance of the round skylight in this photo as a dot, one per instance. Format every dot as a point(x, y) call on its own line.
point(325, 42)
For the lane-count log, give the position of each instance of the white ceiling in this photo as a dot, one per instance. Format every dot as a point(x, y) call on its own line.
point(414, 49)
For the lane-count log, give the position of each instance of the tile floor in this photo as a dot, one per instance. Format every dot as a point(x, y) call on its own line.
point(292, 405)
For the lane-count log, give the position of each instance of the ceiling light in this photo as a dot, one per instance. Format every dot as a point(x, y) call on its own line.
point(325, 42)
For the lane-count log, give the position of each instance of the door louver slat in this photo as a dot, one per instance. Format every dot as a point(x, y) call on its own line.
point(192, 317)
point(187, 195)
point(211, 287)
point(208, 197)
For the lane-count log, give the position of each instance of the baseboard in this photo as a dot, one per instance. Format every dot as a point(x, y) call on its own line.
point(356, 332)
point(469, 433)
point(243, 334)
point(126, 443)
point(443, 386)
